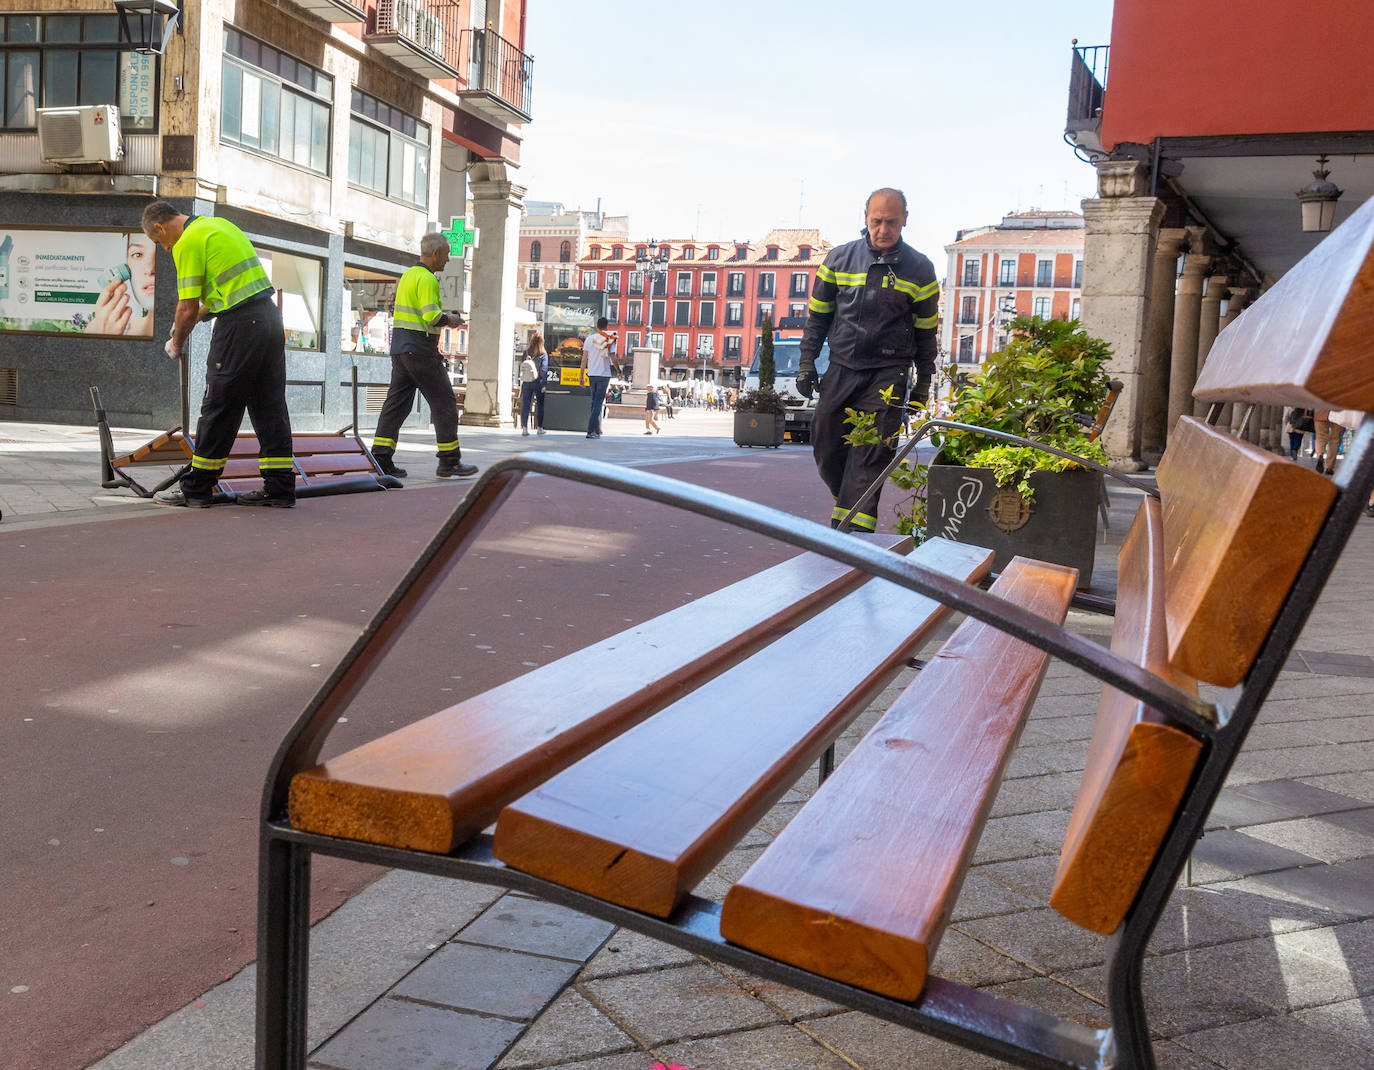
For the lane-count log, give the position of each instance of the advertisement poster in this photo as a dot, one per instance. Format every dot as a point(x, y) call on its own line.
point(77, 282)
point(136, 100)
point(569, 316)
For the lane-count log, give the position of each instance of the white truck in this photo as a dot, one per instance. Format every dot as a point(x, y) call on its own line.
point(786, 360)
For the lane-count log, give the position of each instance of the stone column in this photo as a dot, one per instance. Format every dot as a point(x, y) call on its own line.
point(1187, 313)
point(1159, 335)
point(496, 202)
point(1209, 326)
point(1239, 297)
point(1118, 248)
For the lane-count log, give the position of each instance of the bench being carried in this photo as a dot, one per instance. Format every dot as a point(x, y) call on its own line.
point(621, 798)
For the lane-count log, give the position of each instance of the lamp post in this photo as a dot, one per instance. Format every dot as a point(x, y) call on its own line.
point(152, 25)
point(652, 262)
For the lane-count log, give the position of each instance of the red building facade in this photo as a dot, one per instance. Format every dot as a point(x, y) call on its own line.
point(704, 311)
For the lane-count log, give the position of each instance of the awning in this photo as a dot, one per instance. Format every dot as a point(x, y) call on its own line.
point(524, 317)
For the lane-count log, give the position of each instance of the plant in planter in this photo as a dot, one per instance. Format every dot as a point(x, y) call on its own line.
point(760, 414)
point(1012, 498)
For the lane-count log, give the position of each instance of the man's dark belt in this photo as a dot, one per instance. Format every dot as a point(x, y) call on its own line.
point(252, 306)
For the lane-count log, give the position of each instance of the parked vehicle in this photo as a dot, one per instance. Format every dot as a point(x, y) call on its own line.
point(786, 361)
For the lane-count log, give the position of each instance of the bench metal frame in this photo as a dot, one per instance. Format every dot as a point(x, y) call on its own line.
point(950, 1011)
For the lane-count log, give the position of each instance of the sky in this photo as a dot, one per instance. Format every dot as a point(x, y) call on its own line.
point(722, 119)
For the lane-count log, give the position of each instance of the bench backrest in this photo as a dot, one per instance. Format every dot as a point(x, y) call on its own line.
point(1205, 571)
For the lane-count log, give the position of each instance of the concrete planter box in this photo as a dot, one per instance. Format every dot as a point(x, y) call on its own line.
point(1060, 525)
point(759, 428)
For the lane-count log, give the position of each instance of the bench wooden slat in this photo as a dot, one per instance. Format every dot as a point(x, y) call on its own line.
point(435, 783)
point(1238, 524)
point(302, 445)
point(167, 448)
point(1306, 342)
point(860, 885)
point(1138, 766)
point(642, 820)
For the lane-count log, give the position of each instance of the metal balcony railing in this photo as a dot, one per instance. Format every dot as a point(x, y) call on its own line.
point(499, 72)
point(1087, 89)
point(422, 34)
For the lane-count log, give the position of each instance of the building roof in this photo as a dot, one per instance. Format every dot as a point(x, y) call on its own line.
point(1007, 238)
point(788, 241)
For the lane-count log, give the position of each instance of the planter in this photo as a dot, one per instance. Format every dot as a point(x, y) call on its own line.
point(1060, 525)
point(759, 428)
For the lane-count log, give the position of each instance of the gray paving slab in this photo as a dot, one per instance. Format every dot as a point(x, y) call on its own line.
point(394, 1034)
point(488, 980)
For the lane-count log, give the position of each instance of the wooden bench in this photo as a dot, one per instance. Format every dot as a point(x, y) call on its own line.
point(617, 804)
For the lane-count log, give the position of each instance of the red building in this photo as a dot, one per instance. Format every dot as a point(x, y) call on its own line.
point(706, 306)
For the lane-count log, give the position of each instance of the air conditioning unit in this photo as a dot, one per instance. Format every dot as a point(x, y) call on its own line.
point(88, 134)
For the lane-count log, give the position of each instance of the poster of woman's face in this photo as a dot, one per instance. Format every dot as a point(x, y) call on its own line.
point(74, 281)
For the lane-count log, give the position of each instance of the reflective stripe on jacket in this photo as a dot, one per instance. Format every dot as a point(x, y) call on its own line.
point(217, 265)
point(876, 311)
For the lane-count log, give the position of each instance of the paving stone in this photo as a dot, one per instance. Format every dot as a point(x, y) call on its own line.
point(877, 1045)
point(1282, 1043)
point(983, 897)
point(1350, 1019)
point(1183, 926)
point(1170, 1055)
point(1259, 907)
point(999, 843)
point(1350, 946)
point(543, 928)
point(678, 1003)
point(961, 958)
point(1277, 975)
point(1234, 810)
point(1018, 797)
point(393, 1034)
point(1344, 889)
point(630, 952)
point(1241, 854)
point(1045, 827)
point(1043, 938)
point(1361, 821)
point(635, 1061)
point(791, 1003)
point(571, 1028)
point(1346, 729)
point(1031, 877)
point(487, 980)
point(1324, 840)
point(1054, 997)
point(1357, 785)
point(778, 1047)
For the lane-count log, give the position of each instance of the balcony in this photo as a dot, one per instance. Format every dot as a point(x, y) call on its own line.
point(500, 78)
point(333, 10)
point(421, 35)
point(1087, 83)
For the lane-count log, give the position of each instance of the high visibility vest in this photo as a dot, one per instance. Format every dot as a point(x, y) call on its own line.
point(217, 265)
point(417, 301)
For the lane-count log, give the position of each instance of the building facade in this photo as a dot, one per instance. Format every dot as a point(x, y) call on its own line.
point(1029, 264)
point(333, 134)
point(707, 300)
point(551, 241)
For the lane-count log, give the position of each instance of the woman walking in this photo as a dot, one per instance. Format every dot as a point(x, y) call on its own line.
point(651, 411)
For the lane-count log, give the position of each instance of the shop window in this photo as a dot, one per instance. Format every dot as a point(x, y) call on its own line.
point(368, 300)
point(297, 280)
point(274, 104)
point(388, 152)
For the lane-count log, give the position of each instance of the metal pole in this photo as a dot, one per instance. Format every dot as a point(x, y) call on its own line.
point(185, 378)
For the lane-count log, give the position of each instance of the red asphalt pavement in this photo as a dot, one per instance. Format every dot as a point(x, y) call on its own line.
point(151, 665)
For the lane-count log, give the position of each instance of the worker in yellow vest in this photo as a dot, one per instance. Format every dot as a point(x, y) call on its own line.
point(220, 278)
point(417, 365)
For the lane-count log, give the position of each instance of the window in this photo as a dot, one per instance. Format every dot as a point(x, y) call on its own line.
point(534, 279)
point(765, 309)
point(766, 283)
point(1044, 273)
point(658, 311)
point(734, 313)
point(681, 342)
point(617, 252)
point(968, 312)
point(797, 311)
point(708, 284)
point(388, 152)
point(972, 273)
point(634, 311)
point(589, 280)
point(532, 305)
point(1074, 308)
point(741, 251)
point(367, 300)
point(707, 318)
point(688, 253)
point(273, 104)
point(966, 349)
point(636, 282)
point(684, 284)
point(612, 282)
point(713, 253)
point(536, 252)
point(732, 347)
point(1007, 275)
point(613, 311)
point(772, 253)
point(735, 285)
point(564, 252)
point(682, 313)
point(706, 346)
point(640, 252)
point(564, 278)
point(596, 253)
point(656, 341)
point(57, 61)
point(660, 283)
point(297, 279)
point(801, 284)
point(1077, 276)
point(632, 341)
point(1042, 308)
point(804, 253)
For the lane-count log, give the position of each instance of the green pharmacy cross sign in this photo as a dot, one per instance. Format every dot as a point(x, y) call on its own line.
point(459, 237)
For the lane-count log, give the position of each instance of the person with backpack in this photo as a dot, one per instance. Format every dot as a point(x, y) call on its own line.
point(534, 378)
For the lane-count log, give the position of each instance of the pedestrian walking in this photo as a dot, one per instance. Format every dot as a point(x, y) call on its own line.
point(534, 377)
point(651, 412)
point(1326, 440)
point(417, 365)
point(220, 278)
point(1300, 422)
point(596, 365)
point(876, 301)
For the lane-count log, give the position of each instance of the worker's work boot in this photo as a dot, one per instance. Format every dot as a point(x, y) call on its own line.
point(451, 467)
point(386, 462)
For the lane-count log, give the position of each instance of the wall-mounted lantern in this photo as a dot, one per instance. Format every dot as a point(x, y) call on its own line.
point(147, 25)
point(1318, 200)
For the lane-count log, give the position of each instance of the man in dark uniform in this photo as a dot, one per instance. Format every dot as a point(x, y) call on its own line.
point(220, 277)
point(417, 365)
point(876, 300)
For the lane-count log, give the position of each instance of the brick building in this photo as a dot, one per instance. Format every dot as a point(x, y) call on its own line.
point(1034, 258)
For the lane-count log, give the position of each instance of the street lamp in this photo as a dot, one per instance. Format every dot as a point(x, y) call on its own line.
point(651, 262)
point(154, 21)
point(1318, 200)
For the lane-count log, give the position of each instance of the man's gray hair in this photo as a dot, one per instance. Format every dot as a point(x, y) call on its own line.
point(159, 212)
point(886, 191)
point(432, 242)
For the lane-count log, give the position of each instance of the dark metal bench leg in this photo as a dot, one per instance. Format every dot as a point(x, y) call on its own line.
point(283, 954)
point(1126, 1005)
point(827, 764)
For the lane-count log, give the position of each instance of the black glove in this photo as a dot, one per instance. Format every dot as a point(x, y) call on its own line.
point(920, 393)
point(806, 379)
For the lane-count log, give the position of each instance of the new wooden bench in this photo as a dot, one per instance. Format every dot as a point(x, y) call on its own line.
point(619, 800)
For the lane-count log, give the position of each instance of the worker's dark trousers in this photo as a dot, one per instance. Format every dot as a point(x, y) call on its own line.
point(411, 372)
point(848, 470)
point(246, 370)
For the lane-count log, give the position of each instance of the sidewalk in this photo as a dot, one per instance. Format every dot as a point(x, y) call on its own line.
point(1264, 961)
